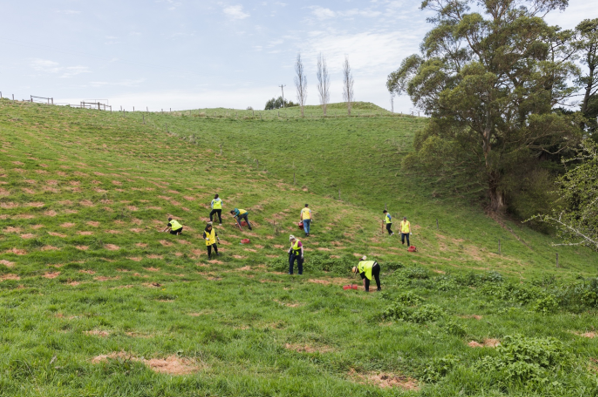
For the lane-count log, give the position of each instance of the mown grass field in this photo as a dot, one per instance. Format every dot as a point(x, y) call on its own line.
point(95, 301)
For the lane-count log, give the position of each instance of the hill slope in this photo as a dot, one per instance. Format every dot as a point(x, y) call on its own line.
point(94, 301)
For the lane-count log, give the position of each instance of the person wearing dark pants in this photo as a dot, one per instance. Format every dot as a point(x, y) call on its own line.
point(295, 253)
point(388, 222)
point(216, 208)
point(212, 240)
point(173, 227)
point(405, 231)
point(240, 214)
point(367, 270)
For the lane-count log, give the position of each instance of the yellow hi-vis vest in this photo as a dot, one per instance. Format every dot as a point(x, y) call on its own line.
point(366, 267)
point(217, 204)
point(210, 237)
point(306, 213)
point(405, 227)
point(387, 219)
point(296, 249)
point(241, 212)
point(174, 225)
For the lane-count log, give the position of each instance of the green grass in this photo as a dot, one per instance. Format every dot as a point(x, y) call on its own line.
point(84, 193)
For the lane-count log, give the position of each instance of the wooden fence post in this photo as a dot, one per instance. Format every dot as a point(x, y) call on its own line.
point(557, 259)
point(499, 248)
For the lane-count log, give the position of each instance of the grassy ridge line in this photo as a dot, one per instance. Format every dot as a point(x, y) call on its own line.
point(361, 158)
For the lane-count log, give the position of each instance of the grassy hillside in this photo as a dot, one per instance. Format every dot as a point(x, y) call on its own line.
point(95, 301)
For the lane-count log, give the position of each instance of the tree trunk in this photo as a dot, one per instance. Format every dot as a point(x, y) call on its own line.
point(497, 198)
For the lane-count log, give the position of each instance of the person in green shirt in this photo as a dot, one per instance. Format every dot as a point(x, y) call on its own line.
point(241, 214)
point(366, 269)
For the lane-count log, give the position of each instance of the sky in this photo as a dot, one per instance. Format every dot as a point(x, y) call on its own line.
point(190, 54)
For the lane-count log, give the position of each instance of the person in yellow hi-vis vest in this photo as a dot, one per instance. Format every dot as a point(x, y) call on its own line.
point(216, 205)
point(306, 218)
point(368, 269)
point(173, 227)
point(212, 239)
point(295, 253)
point(388, 222)
point(405, 231)
point(240, 214)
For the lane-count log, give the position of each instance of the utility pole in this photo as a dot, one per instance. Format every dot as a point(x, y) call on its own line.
point(282, 89)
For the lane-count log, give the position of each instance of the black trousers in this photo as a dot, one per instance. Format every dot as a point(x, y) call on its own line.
point(388, 226)
point(210, 250)
point(376, 275)
point(292, 258)
point(175, 232)
point(219, 212)
point(245, 218)
point(403, 237)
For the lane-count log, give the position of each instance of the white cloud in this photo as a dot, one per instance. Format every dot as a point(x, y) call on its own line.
point(322, 13)
point(235, 12)
point(47, 66)
point(122, 83)
point(68, 12)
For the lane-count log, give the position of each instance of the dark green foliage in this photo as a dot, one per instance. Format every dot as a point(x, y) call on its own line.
point(439, 368)
point(278, 103)
point(521, 359)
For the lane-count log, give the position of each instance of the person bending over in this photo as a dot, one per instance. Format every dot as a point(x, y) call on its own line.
point(173, 227)
point(212, 240)
point(295, 253)
point(240, 214)
point(366, 269)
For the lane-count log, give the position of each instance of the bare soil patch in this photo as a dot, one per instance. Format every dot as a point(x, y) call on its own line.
point(105, 278)
point(166, 243)
point(68, 225)
point(85, 233)
point(308, 349)
point(82, 247)
point(239, 257)
point(7, 263)
point(141, 245)
point(112, 231)
point(135, 258)
point(51, 275)
point(87, 271)
point(93, 223)
point(36, 205)
point(385, 380)
point(8, 206)
point(152, 269)
point(111, 247)
point(9, 277)
point(486, 343)
point(50, 248)
point(27, 236)
point(11, 229)
point(16, 251)
point(153, 256)
point(98, 333)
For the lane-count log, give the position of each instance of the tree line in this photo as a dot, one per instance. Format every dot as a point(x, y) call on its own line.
point(323, 86)
point(512, 103)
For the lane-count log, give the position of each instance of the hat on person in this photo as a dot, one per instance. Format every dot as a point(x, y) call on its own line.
point(363, 258)
point(291, 237)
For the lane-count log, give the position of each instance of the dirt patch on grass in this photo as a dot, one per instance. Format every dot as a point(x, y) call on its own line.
point(105, 278)
point(9, 277)
point(111, 247)
point(82, 247)
point(17, 251)
point(27, 236)
point(50, 248)
point(113, 232)
point(152, 269)
point(93, 223)
point(141, 245)
point(11, 229)
point(475, 316)
point(7, 263)
point(100, 334)
point(35, 205)
point(86, 203)
point(152, 285)
point(385, 380)
point(249, 250)
point(166, 243)
point(85, 233)
point(87, 271)
point(68, 225)
point(135, 258)
point(308, 349)
point(153, 256)
point(57, 234)
point(590, 335)
point(51, 275)
point(8, 206)
point(486, 343)
point(239, 257)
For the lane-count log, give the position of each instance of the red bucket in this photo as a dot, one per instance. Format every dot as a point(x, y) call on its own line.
point(300, 224)
point(245, 241)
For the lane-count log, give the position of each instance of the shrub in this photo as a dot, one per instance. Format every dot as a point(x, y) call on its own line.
point(526, 359)
point(439, 368)
point(426, 314)
point(397, 311)
point(453, 328)
point(409, 298)
point(546, 305)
